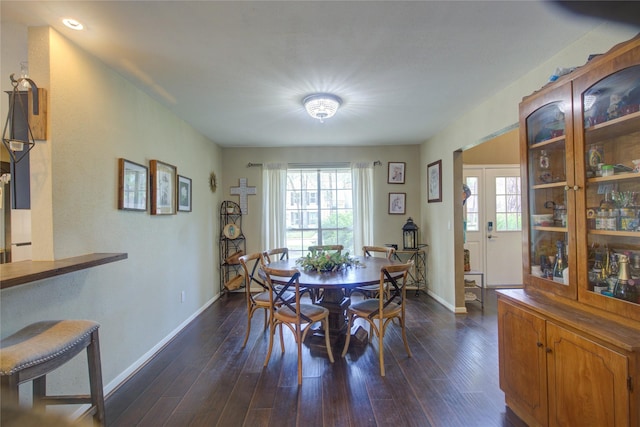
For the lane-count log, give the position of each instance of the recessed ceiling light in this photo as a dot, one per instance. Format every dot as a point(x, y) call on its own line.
point(73, 24)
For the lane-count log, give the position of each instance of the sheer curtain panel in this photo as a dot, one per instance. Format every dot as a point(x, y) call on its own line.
point(362, 175)
point(274, 225)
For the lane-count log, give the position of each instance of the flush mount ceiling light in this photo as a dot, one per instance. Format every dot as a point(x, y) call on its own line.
point(73, 24)
point(321, 105)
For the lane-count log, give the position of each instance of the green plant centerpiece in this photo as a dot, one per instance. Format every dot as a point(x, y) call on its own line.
point(327, 261)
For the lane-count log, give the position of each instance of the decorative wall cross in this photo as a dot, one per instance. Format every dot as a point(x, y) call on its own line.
point(242, 190)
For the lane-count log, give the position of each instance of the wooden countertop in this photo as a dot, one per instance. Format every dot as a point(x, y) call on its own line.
point(21, 272)
point(600, 326)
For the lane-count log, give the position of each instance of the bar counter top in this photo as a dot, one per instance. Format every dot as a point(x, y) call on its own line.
point(21, 272)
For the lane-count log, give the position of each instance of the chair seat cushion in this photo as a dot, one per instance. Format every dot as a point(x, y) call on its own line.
point(312, 311)
point(263, 297)
point(40, 342)
point(368, 306)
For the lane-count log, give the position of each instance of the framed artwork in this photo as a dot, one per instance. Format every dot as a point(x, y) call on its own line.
point(434, 181)
point(132, 186)
point(395, 175)
point(397, 203)
point(184, 194)
point(163, 188)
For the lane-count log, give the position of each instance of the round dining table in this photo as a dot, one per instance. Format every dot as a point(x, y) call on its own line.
point(333, 285)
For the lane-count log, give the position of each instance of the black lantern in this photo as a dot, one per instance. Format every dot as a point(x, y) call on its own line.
point(410, 235)
point(17, 134)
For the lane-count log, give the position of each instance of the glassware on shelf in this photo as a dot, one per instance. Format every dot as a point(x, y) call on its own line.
point(596, 277)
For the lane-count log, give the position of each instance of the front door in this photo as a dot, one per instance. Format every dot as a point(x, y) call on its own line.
point(494, 223)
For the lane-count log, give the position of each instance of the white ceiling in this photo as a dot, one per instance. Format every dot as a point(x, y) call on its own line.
point(238, 70)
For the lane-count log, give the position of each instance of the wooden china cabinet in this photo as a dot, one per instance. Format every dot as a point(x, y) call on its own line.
point(569, 342)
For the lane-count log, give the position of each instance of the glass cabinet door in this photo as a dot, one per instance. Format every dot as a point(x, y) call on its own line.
point(547, 127)
point(609, 143)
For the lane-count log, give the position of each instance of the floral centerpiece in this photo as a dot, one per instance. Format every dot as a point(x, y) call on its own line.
point(327, 261)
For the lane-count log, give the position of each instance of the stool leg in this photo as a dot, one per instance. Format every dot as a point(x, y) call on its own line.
point(9, 390)
point(95, 378)
point(39, 391)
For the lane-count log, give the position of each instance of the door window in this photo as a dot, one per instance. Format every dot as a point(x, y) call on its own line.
point(472, 210)
point(508, 207)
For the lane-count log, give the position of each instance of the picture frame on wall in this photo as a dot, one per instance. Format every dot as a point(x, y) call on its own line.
point(163, 188)
point(397, 203)
point(184, 194)
point(395, 173)
point(434, 182)
point(133, 183)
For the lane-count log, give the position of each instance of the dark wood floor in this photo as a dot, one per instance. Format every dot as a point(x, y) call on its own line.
point(204, 378)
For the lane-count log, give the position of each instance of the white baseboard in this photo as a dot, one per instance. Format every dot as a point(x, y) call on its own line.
point(138, 364)
point(457, 310)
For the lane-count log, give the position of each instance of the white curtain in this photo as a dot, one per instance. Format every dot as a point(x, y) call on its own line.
point(274, 193)
point(362, 177)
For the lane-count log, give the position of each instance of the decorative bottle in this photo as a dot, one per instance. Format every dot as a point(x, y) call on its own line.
point(624, 288)
point(561, 262)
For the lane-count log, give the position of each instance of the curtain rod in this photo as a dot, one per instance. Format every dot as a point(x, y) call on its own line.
point(376, 163)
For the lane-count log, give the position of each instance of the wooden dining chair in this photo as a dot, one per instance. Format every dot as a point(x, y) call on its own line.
point(260, 300)
point(282, 254)
point(371, 291)
point(383, 309)
point(385, 251)
point(295, 315)
point(318, 248)
point(279, 254)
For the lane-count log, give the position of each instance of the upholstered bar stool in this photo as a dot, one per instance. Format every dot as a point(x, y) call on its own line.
point(38, 349)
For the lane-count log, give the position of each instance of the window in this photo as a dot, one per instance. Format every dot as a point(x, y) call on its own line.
point(319, 209)
point(508, 209)
point(472, 214)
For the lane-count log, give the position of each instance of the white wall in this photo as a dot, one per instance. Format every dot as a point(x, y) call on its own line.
point(496, 113)
point(96, 117)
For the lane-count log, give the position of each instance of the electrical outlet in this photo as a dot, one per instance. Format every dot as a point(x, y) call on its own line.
point(183, 296)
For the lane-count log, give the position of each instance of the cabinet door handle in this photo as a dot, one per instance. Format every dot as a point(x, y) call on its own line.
point(548, 350)
point(576, 188)
point(539, 344)
point(566, 188)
